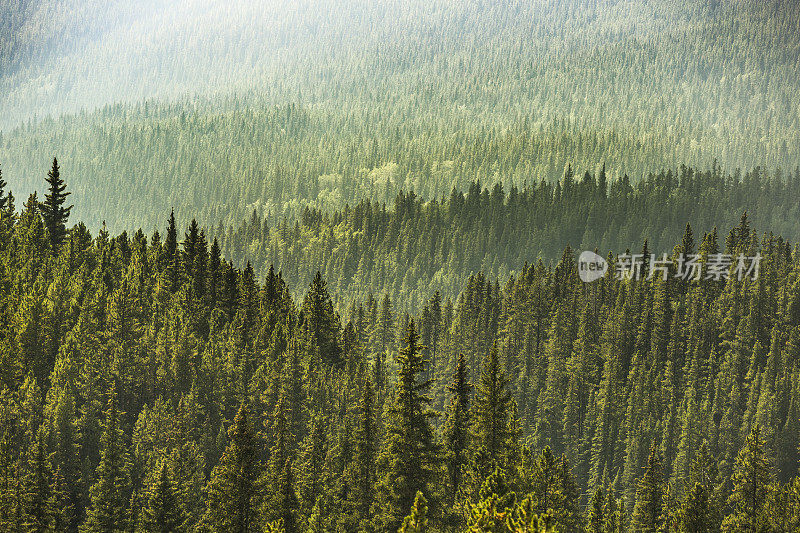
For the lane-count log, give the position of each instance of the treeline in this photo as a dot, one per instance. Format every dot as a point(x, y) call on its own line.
point(412, 248)
point(148, 385)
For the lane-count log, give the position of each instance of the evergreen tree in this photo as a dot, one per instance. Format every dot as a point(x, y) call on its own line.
point(752, 483)
point(366, 450)
point(285, 504)
point(417, 521)
point(162, 511)
point(37, 491)
point(411, 457)
point(551, 488)
point(3, 195)
point(232, 505)
point(54, 213)
point(492, 415)
point(595, 519)
point(696, 514)
point(647, 513)
point(110, 494)
point(63, 506)
point(321, 322)
point(170, 259)
point(457, 428)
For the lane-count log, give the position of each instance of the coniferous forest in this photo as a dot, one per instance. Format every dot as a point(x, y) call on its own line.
point(148, 384)
point(418, 266)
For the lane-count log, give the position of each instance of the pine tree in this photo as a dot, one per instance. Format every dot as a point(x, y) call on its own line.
point(385, 326)
point(285, 504)
point(110, 494)
point(366, 450)
point(752, 483)
point(552, 490)
point(595, 519)
point(321, 322)
point(696, 514)
point(162, 512)
point(417, 521)
point(170, 259)
point(54, 213)
point(411, 457)
point(37, 491)
point(647, 512)
point(232, 490)
point(3, 196)
point(457, 428)
point(492, 415)
point(613, 512)
point(63, 507)
point(549, 429)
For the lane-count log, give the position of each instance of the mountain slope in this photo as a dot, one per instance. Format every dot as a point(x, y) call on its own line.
point(640, 86)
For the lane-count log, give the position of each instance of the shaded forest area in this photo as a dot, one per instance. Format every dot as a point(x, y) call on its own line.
point(413, 248)
point(148, 385)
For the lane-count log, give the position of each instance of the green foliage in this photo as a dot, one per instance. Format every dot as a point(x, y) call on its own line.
point(152, 385)
point(110, 494)
point(411, 455)
point(492, 416)
point(162, 512)
point(499, 91)
point(232, 488)
point(752, 485)
point(54, 213)
point(417, 521)
point(647, 513)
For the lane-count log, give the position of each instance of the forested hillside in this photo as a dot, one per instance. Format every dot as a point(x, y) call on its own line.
point(412, 248)
point(148, 385)
point(308, 103)
point(369, 266)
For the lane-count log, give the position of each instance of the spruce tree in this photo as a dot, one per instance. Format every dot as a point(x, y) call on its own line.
point(552, 490)
point(595, 518)
point(613, 512)
point(63, 506)
point(647, 512)
point(170, 259)
point(321, 322)
point(417, 521)
point(162, 512)
point(54, 213)
point(411, 457)
point(697, 513)
point(752, 484)
point(37, 491)
point(3, 195)
point(285, 505)
point(232, 505)
point(492, 415)
point(110, 494)
point(457, 428)
point(366, 450)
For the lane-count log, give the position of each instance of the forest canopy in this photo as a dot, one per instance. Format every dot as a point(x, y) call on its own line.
point(147, 383)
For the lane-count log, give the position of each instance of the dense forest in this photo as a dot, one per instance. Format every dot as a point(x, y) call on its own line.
point(325, 102)
point(413, 248)
point(373, 266)
point(149, 385)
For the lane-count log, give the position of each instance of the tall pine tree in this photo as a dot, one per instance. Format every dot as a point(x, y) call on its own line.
point(54, 213)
